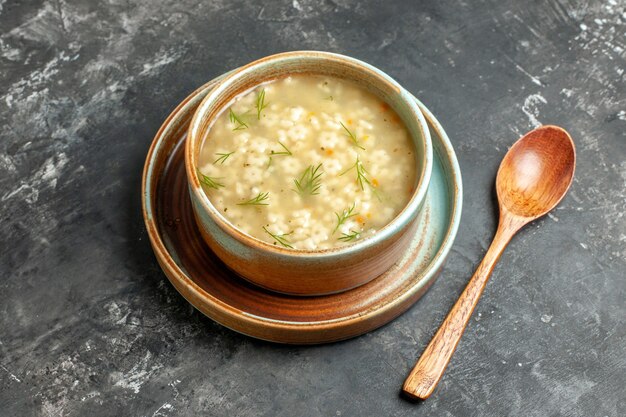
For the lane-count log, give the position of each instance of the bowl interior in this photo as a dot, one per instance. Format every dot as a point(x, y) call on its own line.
point(319, 63)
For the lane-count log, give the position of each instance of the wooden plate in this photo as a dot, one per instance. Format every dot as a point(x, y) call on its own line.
point(218, 293)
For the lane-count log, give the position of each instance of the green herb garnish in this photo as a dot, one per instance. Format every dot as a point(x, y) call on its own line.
point(211, 182)
point(329, 98)
point(236, 120)
point(260, 104)
point(222, 157)
point(347, 237)
point(280, 238)
point(309, 182)
point(345, 215)
point(256, 201)
point(360, 173)
point(285, 152)
point(352, 137)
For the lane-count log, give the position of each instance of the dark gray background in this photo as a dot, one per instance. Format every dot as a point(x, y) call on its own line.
point(89, 325)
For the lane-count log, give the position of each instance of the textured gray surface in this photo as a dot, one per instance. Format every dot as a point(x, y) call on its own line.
point(90, 326)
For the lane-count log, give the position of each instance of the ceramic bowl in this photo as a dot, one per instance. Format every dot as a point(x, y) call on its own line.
point(302, 272)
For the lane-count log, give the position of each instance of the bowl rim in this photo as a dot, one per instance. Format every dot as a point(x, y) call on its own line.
point(398, 223)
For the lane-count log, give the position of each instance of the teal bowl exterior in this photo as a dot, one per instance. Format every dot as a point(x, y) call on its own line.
point(301, 272)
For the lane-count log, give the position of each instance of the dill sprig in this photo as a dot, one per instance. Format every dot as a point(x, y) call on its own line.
point(258, 200)
point(222, 157)
point(309, 182)
point(260, 103)
point(345, 215)
point(285, 152)
point(352, 137)
point(236, 120)
point(361, 173)
point(280, 238)
point(211, 182)
point(347, 237)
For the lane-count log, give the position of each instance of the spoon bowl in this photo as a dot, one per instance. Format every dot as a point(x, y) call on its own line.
point(536, 172)
point(534, 176)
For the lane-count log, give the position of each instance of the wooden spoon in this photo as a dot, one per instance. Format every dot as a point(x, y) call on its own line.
point(533, 177)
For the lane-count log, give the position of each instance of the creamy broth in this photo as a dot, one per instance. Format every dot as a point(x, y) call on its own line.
point(308, 162)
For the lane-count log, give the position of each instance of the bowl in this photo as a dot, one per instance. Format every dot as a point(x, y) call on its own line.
point(308, 272)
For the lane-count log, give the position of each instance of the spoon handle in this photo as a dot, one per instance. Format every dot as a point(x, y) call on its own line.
point(429, 369)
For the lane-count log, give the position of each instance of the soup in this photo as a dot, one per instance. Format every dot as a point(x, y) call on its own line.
point(308, 162)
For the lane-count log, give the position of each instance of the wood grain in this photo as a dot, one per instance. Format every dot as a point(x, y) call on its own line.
point(533, 177)
point(429, 369)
